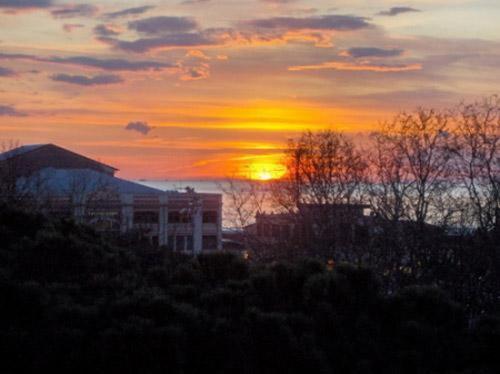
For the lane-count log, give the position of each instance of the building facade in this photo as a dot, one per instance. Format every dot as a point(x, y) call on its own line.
point(339, 224)
point(67, 184)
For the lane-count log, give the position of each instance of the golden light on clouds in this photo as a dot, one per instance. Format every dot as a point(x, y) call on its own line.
point(223, 86)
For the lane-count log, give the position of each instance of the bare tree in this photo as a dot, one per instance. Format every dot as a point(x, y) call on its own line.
point(17, 185)
point(388, 178)
point(322, 168)
point(244, 199)
point(9, 172)
point(477, 159)
point(325, 172)
point(415, 165)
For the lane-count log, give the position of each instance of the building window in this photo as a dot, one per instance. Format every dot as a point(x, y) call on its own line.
point(174, 217)
point(275, 231)
point(154, 241)
point(178, 217)
point(361, 234)
point(285, 232)
point(209, 242)
point(180, 243)
point(146, 217)
point(189, 243)
point(171, 242)
point(345, 233)
point(210, 216)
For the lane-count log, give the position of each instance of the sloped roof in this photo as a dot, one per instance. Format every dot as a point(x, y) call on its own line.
point(20, 150)
point(65, 181)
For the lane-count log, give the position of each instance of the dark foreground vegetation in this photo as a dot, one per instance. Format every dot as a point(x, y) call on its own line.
point(72, 301)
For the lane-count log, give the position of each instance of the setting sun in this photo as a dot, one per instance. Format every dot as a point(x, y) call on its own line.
point(264, 175)
point(266, 171)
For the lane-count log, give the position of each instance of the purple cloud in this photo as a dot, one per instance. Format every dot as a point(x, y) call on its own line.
point(167, 41)
point(10, 111)
point(360, 52)
point(104, 64)
point(83, 80)
point(328, 22)
point(163, 24)
point(129, 11)
point(69, 27)
point(105, 30)
point(142, 127)
point(394, 11)
point(77, 10)
point(5, 72)
point(20, 4)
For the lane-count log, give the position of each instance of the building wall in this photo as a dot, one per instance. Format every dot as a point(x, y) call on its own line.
point(171, 220)
point(181, 221)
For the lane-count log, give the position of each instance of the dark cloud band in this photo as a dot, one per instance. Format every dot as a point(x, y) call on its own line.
point(105, 64)
point(72, 11)
point(82, 80)
point(163, 24)
point(5, 72)
point(20, 4)
point(328, 22)
point(129, 12)
point(10, 111)
point(360, 52)
point(394, 11)
point(167, 41)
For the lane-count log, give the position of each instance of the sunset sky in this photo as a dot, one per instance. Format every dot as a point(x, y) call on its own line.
point(208, 88)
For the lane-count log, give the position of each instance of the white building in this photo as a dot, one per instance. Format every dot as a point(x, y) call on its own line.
point(71, 185)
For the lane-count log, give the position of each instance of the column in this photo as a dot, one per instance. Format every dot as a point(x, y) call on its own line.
point(127, 213)
point(219, 225)
point(163, 221)
point(197, 226)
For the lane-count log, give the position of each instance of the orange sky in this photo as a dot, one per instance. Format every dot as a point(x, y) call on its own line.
point(206, 88)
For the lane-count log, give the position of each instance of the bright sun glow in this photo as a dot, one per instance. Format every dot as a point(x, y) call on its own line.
point(266, 171)
point(264, 175)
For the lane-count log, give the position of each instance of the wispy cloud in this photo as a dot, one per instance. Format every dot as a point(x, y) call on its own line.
point(195, 53)
point(104, 30)
point(327, 22)
point(10, 111)
point(114, 64)
point(69, 27)
point(201, 71)
point(6, 72)
point(20, 4)
point(194, 2)
point(163, 24)
point(75, 10)
point(167, 41)
point(129, 11)
point(83, 80)
point(349, 66)
point(362, 52)
point(394, 11)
